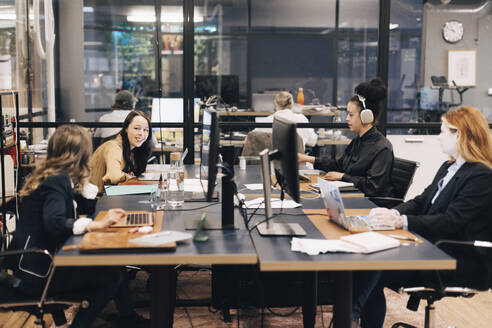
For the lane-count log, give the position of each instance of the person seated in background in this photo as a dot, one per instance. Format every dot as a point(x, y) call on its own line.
point(455, 206)
point(124, 103)
point(48, 216)
point(368, 159)
point(125, 155)
point(284, 102)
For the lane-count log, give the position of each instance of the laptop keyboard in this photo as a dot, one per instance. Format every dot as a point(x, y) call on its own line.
point(138, 219)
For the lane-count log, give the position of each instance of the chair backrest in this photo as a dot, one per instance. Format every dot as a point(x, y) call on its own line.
point(256, 141)
point(402, 176)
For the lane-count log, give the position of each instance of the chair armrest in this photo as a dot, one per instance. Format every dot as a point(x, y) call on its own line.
point(26, 251)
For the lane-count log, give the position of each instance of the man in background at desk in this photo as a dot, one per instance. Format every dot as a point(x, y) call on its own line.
point(124, 103)
point(284, 102)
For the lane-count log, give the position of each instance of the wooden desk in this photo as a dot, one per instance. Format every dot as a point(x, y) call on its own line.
point(223, 247)
point(274, 254)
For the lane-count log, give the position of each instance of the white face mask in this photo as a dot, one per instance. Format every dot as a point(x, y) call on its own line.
point(449, 139)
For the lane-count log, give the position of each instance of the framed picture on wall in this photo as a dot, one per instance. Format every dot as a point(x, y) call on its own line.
point(462, 67)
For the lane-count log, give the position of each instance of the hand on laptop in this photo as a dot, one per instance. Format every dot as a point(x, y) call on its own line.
point(381, 216)
point(333, 176)
point(111, 217)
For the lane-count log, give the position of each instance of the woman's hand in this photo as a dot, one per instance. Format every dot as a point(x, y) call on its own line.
point(333, 176)
point(303, 158)
point(381, 216)
point(129, 176)
point(112, 217)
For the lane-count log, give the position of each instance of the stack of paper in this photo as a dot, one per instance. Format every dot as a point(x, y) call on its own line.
point(276, 203)
point(366, 242)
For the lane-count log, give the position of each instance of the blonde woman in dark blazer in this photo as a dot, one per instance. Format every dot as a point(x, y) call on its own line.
point(457, 205)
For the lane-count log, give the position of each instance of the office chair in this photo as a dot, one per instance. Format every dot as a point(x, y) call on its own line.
point(12, 299)
point(256, 141)
point(401, 177)
point(432, 295)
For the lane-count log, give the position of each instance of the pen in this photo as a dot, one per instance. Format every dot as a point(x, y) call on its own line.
point(404, 237)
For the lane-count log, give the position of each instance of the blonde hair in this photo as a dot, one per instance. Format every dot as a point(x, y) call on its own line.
point(283, 100)
point(69, 150)
point(475, 141)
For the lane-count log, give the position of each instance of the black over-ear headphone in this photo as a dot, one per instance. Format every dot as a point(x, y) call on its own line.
point(366, 115)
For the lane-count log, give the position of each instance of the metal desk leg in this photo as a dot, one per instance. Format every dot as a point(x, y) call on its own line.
point(162, 296)
point(310, 298)
point(342, 309)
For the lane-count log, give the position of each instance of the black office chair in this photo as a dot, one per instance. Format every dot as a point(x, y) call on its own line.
point(432, 295)
point(12, 299)
point(402, 177)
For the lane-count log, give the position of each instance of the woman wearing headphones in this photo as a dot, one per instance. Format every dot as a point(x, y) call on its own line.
point(368, 160)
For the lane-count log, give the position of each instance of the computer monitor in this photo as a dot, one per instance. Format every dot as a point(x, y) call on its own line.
point(284, 157)
point(209, 150)
point(284, 140)
point(208, 85)
point(167, 110)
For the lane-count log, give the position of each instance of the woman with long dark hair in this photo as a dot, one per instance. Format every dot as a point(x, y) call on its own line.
point(125, 155)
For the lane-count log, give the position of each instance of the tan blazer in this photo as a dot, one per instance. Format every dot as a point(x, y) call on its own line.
point(107, 164)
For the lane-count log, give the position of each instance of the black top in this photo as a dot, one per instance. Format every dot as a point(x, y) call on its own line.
point(462, 211)
point(47, 216)
point(366, 162)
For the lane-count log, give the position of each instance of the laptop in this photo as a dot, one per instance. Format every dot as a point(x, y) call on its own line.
point(263, 102)
point(336, 211)
point(132, 219)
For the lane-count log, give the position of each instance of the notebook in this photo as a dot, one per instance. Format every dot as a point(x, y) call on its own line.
point(336, 211)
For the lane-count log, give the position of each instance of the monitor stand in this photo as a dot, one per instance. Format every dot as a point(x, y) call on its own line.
point(271, 228)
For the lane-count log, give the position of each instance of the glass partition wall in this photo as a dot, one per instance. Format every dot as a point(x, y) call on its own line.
point(178, 54)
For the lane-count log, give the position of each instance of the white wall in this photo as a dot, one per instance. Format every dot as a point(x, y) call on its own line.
point(427, 152)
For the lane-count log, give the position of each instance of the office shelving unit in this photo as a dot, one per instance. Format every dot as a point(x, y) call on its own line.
point(15, 94)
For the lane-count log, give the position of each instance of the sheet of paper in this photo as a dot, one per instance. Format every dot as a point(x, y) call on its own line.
point(194, 185)
point(317, 246)
point(157, 167)
point(129, 189)
point(160, 238)
point(254, 186)
point(276, 203)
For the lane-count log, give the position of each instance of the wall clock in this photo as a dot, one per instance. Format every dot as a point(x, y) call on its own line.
point(452, 31)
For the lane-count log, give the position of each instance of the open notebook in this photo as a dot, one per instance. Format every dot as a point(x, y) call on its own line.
point(336, 211)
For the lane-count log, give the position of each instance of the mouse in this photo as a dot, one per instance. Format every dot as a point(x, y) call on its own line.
point(145, 229)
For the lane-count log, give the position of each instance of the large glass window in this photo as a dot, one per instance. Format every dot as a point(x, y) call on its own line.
point(405, 47)
point(357, 46)
point(119, 53)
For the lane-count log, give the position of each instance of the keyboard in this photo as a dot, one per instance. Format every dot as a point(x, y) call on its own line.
point(136, 219)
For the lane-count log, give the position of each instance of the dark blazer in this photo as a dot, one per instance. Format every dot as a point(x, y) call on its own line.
point(462, 211)
point(367, 162)
point(47, 216)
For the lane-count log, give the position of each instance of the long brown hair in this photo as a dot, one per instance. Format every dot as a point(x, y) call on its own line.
point(69, 150)
point(475, 141)
point(140, 154)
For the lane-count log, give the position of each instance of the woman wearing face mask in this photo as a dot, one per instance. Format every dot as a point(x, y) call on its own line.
point(456, 205)
point(368, 159)
point(125, 155)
